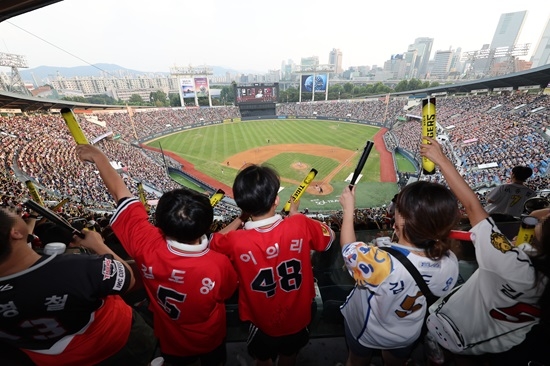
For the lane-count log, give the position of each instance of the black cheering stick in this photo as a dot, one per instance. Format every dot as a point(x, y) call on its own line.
point(361, 164)
point(53, 217)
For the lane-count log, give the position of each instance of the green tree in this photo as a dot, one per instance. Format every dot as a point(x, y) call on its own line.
point(159, 98)
point(415, 84)
point(175, 100)
point(227, 94)
point(136, 99)
point(380, 88)
point(401, 86)
point(76, 99)
point(102, 99)
point(348, 88)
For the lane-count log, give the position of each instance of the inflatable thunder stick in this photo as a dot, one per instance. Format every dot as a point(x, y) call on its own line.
point(361, 163)
point(34, 193)
point(143, 197)
point(301, 188)
point(74, 127)
point(217, 197)
point(429, 129)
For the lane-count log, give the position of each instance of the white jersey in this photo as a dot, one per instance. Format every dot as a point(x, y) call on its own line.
point(386, 308)
point(509, 199)
point(497, 305)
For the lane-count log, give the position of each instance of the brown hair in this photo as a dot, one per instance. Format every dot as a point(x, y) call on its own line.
point(430, 211)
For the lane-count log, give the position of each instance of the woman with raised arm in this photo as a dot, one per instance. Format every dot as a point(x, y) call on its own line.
point(501, 311)
point(386, 309)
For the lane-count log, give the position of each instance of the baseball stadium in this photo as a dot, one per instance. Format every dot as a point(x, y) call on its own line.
point(295, 147)
point(90, 179)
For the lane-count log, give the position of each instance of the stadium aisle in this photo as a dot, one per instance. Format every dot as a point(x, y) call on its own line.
point(319, 352)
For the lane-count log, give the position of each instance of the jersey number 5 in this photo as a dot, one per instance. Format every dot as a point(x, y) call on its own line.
point(163, 295)
point(290, 278)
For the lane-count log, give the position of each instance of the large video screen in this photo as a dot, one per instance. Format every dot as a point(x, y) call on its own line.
point(317, 83)
point(257, 93)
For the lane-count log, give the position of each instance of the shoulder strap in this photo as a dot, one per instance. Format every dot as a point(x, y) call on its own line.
point(430, 297)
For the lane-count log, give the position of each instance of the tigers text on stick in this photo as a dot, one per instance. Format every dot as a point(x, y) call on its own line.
point(301, 188)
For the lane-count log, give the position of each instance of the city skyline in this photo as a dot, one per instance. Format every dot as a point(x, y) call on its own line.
point(152, 37)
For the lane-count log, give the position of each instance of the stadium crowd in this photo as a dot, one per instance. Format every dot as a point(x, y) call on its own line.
point(474, 130)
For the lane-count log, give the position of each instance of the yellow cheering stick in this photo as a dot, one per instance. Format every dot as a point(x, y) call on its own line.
point(429, 129)
point(217, 197)
point(143, 197)
point(301, 189)
point(74, 127)
point(34, 193)
point(60, 204)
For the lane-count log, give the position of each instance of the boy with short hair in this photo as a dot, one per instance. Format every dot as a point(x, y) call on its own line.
point(272, 259)
point(187, 283)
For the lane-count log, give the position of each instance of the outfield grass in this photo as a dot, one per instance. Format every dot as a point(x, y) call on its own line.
point(208, 148)
point(403, 164)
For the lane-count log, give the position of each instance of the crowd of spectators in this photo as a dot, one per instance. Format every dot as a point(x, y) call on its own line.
point(488, 136)
point(136, 124)
point(372, 110)
point(477, 130)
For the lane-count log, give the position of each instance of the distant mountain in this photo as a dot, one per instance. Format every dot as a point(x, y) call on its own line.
point(42, 74)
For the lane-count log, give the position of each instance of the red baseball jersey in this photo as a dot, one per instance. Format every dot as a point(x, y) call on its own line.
point(187, 289)
point(274, 266)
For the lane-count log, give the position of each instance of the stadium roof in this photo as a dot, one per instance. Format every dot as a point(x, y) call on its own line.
point(12, 8)
point(28, 104)
point(539, 76)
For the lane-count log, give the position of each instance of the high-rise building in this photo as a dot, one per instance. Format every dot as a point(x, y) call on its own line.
point(506, 35)
point(410, 59)
point(310, 61)
point(508, 29)
point(442, 64)
point(397, 66)
point(335, 59)
point(286, 69)
point(423, 47)
point(541, 56)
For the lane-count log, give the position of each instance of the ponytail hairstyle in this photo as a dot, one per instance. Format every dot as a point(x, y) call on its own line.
point(430, 211)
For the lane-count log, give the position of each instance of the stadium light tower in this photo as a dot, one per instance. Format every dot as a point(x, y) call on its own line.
point(192, 82)
point(317, 75)
point(492, 54)
point(13, 83)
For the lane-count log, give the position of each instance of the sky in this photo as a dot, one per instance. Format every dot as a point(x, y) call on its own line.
point(252, 35)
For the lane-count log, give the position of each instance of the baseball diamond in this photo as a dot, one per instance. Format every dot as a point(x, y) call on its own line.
point(216, 153)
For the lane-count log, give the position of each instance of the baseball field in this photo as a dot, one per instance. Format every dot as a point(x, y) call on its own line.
point(293, 148)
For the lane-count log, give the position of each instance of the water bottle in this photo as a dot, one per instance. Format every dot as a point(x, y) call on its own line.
point(526, 231)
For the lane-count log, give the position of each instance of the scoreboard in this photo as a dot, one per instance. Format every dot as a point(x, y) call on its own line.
point(256, 93)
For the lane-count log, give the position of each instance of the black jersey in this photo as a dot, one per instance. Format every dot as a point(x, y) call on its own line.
point(57, 297)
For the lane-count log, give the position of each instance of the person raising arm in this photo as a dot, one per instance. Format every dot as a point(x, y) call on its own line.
point(497, 311)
